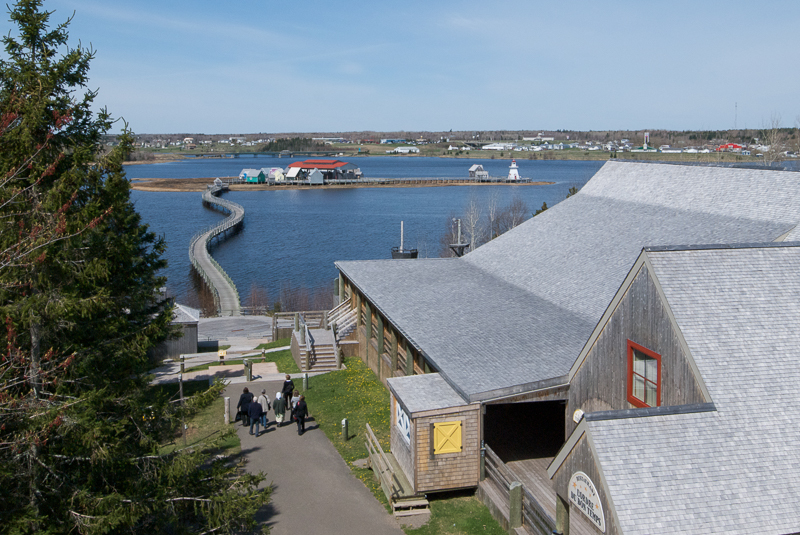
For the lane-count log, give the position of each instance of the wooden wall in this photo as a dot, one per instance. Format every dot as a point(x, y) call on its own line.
point(601, 382)
point(448, 470)
point(582, 460)
point(387, 365)
point(400, 449)
point(181, 345)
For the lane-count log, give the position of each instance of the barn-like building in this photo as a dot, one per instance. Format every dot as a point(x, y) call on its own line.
point(617, 343)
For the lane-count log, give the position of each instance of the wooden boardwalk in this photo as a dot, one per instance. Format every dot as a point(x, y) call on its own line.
point(226, 296)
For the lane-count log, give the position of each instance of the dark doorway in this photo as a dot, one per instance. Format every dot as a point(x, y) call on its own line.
point(518, 431)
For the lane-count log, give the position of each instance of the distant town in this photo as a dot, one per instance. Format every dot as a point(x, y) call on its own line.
point(769, 145)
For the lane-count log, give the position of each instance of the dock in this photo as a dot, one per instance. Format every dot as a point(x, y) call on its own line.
point(226, 296)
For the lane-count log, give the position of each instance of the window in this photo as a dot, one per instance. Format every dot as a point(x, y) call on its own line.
point(447, 437)
point(644, 376)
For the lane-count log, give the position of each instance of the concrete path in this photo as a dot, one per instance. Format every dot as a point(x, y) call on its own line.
point(314, 489)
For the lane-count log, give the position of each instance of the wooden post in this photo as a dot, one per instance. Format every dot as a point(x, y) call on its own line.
point(515, 505)
point(296, 321)
point(562, 516)
point(368, 322)
point(409, 359)
point(345, 430)
point(182, 365)
point(380, 342)
point(394, 352)
point(248, 370)
point(341, 289)
point(358, 310)
point(227, 410)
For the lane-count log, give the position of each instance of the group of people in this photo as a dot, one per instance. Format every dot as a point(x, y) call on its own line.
point(253, 412)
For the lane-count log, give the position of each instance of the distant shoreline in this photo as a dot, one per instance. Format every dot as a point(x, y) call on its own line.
point(200, 184)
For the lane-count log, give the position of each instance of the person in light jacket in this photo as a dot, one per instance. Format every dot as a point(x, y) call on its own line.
point(263, 400)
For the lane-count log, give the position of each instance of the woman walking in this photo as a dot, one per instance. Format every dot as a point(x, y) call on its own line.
point(280, 408)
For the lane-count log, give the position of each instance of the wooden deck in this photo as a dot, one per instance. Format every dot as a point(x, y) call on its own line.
point(532, 473)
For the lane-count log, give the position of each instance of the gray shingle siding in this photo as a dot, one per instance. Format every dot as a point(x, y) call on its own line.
point(734, 470)
point(518, 310)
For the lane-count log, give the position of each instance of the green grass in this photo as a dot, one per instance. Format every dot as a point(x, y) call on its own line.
point(277, 343)
point(356, 394)
point(206, 425)
point(283, 359)
point(457, 513)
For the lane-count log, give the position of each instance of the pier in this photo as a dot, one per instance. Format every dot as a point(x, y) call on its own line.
point(226, 296)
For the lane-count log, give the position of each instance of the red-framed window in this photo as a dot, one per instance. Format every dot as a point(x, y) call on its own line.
point(644, 376)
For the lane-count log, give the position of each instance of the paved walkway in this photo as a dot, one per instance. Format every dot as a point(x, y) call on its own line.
point(314, 489)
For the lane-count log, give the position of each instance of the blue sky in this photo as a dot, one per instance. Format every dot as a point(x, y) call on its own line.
point(279, 66)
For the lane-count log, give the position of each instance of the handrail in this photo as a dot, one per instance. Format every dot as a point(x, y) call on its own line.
point(336, 312)
point(235, 218)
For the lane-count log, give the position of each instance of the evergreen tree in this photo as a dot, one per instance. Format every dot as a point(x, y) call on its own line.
point(80, 433)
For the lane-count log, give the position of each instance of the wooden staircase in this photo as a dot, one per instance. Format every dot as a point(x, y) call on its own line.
point(322, 354)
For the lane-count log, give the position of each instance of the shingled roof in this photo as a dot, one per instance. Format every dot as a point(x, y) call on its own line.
point(515, 313)
point(734, 469)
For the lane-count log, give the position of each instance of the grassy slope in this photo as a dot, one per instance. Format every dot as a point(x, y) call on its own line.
point(283, 359)
point(358, 395)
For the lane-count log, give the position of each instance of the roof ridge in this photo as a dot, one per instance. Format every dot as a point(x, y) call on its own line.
point(707, 246)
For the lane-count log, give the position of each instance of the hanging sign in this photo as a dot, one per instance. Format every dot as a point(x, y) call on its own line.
point(403, 422)
point(584, 495)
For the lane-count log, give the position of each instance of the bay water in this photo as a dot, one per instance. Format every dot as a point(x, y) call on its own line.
point(293, 237)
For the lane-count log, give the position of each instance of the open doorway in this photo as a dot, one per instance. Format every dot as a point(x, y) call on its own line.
point(529, 430)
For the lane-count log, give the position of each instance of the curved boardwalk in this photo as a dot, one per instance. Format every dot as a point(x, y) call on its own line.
point(226, 297)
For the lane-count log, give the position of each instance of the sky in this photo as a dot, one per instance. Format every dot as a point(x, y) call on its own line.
point(249, 66)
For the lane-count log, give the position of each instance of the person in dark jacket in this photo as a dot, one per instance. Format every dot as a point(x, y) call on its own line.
point(300, 414)
point(280, 408)
point(244, 403)
point(288, 388)
point(254, 413)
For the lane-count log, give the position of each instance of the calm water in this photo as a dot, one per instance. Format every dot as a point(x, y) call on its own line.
point(296, 235)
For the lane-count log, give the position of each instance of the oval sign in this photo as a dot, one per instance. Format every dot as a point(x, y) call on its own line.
point(584, 495)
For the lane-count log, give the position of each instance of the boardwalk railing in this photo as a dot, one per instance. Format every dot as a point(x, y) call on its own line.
point(207, 234)
point(534, 517)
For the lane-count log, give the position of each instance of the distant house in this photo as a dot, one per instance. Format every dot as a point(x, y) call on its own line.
point(392, 141)
point(498, 146)
point(671, 150)
point(273, 173)
point(316, 177)
point(477, 171)
point(406, 150)
point(253, 176)
point(332, 170)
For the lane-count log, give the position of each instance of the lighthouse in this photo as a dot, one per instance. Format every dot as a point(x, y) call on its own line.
point(513, 171)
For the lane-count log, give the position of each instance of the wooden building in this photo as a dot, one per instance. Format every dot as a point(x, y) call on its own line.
point(187, 319)
point(504, 326)
point(676, 425)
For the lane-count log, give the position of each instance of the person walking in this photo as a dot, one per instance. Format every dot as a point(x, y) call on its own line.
point(243, 405)
point(293, 402)
point(280, 408)
point(254, 412)
point(288, 388)
point(300, 414)
point(263, 400)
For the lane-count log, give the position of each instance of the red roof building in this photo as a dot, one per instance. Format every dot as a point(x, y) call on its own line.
point(331, 170)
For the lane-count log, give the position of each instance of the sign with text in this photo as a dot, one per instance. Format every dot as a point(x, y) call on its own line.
point(584, 495)
point(403, 422)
